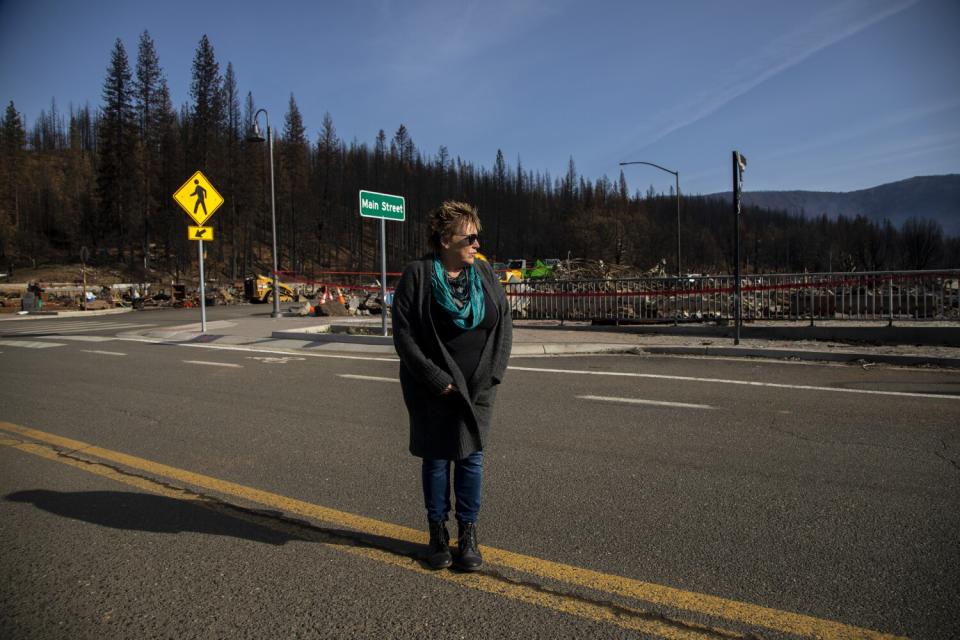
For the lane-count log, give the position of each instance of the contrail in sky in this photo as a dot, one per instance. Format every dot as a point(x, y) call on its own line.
point(826, 29)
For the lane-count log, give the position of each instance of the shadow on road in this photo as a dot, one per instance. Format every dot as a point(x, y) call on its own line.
point(27, 336)
point(160, 514)
point(144, 512)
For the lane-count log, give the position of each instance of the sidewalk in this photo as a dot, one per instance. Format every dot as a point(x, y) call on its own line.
point(536, 337)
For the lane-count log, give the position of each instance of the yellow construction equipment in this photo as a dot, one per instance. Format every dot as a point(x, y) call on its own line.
point(500, 269)
point(260, 289)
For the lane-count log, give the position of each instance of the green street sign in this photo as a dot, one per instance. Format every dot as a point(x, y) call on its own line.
point(382, 205)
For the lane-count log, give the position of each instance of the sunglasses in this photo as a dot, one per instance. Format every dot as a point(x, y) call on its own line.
point(473, 237)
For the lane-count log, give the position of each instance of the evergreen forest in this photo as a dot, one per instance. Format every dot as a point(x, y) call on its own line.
point(102, 177)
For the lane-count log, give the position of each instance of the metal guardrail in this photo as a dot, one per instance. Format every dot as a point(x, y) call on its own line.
point(880, 295)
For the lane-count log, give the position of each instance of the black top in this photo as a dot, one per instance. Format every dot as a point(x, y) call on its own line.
point(464, 345)
point(444, 427)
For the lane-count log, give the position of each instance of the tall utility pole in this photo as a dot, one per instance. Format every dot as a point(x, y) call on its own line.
point(739, 164)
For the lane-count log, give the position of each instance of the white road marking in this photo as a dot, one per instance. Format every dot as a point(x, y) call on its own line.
point(195, 326)
point(274, 359)
point(77, 322)
point(139, 339)
point(374, 378)
point(104, 327)
point(215, 364)
point(30, 344)
point(77, 338)
point(74, 327)
point(749, 383)
point(284, 353)
point(44, 326)
point(657, 403)
point(568, 371)
point(103, 353)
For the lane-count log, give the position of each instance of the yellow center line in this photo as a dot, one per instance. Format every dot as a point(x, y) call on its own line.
point(738, 612)
point(624, 617)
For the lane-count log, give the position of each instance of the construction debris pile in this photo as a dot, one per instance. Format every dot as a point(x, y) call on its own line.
point(570, 289)
point(40, 296)
point(598, 269)
point(575, 289)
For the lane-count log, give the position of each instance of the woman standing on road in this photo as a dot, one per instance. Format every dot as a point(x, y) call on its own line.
point(452, 330)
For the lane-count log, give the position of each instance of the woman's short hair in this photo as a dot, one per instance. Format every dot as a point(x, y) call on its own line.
point(448, 219)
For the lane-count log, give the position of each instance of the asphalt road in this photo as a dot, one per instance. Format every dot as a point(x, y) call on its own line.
point(115, 324)
point(247, 494)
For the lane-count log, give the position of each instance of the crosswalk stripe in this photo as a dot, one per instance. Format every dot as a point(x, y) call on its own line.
point(106, 327)
point(50, 323)
point(73, 328)
point(80, 338)
point(74, 324)
point(30, 344)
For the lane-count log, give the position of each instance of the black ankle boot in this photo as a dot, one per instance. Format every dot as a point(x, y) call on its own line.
point(438, 555)
point(469, 558)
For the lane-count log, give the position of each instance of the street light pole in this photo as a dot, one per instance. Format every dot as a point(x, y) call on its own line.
point(676, 174)
point(739, 164)
point(256, 136)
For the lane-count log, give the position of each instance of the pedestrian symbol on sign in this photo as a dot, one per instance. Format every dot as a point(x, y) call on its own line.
point(198, 198)
point(201, 195)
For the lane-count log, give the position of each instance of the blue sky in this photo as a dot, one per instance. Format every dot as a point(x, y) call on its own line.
point(822, 95)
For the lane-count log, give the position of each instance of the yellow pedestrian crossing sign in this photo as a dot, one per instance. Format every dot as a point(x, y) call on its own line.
point(199, 233)
point(198, 198)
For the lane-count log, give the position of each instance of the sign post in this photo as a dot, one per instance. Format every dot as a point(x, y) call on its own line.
point(385, 207)
point(200, 200)
point(203, 293)
point(84, 254)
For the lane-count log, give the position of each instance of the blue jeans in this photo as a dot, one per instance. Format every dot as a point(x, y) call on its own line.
point(467, 478)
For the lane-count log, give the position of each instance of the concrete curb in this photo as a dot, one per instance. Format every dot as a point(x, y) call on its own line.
point(561, 348)
point(813, 356)
point(168, 336)
point(315, 336)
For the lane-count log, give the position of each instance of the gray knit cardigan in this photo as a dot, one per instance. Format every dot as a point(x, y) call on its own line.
point(449, 426)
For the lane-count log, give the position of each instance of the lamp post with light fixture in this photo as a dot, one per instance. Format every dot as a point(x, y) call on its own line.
point(676, 174)
point(256, 136)
point(739, 164)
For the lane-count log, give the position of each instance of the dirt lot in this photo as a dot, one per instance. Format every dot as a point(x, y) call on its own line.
point(62, 285)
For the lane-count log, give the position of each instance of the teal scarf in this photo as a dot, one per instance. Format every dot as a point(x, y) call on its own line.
point(468, 314)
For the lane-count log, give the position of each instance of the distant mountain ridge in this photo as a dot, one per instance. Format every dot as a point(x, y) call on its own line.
point(933, 197)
